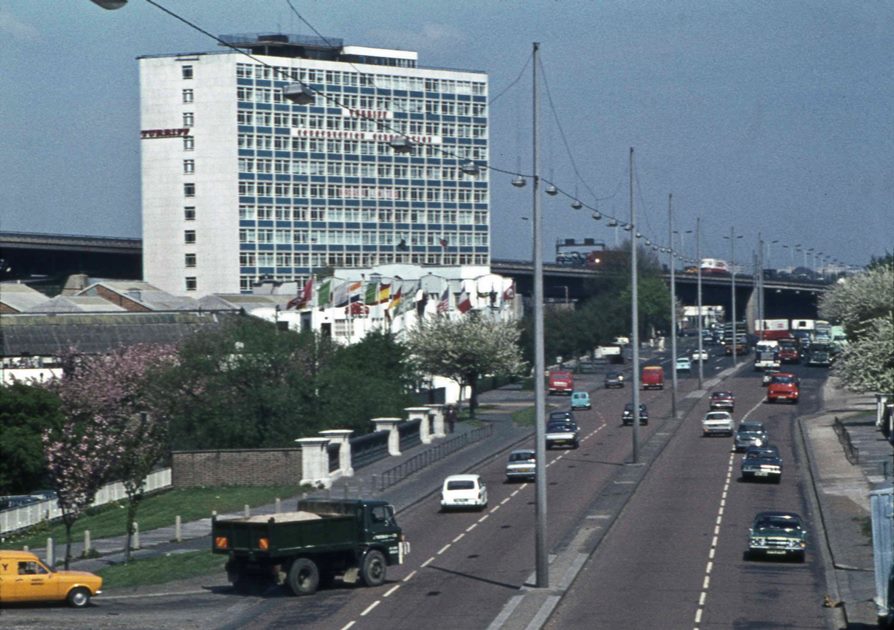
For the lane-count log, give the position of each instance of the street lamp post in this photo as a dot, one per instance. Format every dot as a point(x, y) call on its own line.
point(732, 268)
point(540, 548)
point(698, 256)
point(682, 234)
point(673, 300)
point(634, 307)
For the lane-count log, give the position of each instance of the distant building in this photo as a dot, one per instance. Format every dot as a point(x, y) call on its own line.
point(239, 183)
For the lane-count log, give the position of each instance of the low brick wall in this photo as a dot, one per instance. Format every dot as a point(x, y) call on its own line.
point(250, 467)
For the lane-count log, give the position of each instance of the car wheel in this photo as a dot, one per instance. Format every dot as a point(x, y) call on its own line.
point(373, 570)
point(304, 577)
point(78, 597)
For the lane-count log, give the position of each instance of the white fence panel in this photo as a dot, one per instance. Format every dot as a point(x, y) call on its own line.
point(28, 515)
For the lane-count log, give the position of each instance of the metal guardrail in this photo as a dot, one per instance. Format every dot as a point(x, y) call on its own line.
point(851, 452)
point(426, 458)
point(29, 515)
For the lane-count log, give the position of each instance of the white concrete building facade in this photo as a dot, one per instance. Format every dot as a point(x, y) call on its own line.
point(240, 184)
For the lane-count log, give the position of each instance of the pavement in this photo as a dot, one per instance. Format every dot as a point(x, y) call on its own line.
point(840, 494)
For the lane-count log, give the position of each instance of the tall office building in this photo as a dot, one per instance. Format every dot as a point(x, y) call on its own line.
point(241, 183)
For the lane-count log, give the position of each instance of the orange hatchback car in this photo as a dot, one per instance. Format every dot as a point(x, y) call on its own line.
point(24, 578)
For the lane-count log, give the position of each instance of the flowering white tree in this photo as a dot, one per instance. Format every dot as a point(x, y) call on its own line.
point(864, 305)
point(104, 401)
point(466, 349)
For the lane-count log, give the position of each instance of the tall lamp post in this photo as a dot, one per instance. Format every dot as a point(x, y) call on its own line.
point(732, 268)
point(634, 317)
point(540, 548)
point(673, 330)
point(699, 318)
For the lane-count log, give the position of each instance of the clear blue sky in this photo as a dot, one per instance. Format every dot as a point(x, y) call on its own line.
point(771, 117)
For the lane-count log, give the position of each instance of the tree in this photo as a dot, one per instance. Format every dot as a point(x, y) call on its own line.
point(864, 305)
point(466, 349)
point(102, 397)
point(246, 385)
point(26, 411)
point(368, 379)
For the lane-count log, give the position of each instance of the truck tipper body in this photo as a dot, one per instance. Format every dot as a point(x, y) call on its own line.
point(322, 539)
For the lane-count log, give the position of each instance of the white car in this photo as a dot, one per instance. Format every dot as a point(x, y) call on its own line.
point(463, 491)
point(683, 364)
point(522, 464)
point(717, 423)
point(699, 356)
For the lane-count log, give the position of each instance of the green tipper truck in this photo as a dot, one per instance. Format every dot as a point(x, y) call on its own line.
point(322, 539)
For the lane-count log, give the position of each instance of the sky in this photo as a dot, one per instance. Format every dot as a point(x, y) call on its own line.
point(766, 120)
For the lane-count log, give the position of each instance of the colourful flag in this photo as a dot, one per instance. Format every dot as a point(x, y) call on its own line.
point(371, 295)
point(395, 300)
point(464, 304)
point(384, 294)
point(355, 291)
point(304, 297)
point(340, 294)
point(324, 294)
point(444, 302)
point(409, 298)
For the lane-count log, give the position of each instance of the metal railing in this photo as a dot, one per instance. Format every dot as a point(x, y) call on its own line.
point(426, 458)
point(851, 452)
point(29, 515)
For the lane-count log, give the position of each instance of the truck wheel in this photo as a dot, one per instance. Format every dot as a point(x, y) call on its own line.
point(78, 597)
point(373, 570)
point(304, 577)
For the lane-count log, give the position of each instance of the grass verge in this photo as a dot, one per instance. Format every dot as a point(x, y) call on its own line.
point(158, 510)
point(162, 569)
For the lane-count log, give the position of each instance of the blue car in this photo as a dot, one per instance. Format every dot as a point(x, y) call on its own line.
point(580, 400)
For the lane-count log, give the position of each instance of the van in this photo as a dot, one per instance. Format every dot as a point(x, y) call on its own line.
point(561, 382)
point(653, 377)
point(24, 578)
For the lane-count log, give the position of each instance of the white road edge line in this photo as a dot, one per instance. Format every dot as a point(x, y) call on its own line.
point(391, 590)
point(370, 608)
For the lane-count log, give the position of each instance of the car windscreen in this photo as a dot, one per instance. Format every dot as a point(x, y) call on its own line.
point(554, 427)
point(521, 457)
point(785, 380)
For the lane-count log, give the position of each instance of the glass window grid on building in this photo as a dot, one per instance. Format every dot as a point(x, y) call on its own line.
point(312, 202)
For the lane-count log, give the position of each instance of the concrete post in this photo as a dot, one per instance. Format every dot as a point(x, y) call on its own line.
point(178, 532)
point(420, 413)
point(51, 553)
point(86, 543)
point(315, 461)
point(880, 401)
point(277, 505)
point(437, 419)
point(390, 425)
point(342, 437)
point(246, 510)
point(135, 543)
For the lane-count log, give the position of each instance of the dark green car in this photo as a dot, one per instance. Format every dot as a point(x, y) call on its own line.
point(777, 534)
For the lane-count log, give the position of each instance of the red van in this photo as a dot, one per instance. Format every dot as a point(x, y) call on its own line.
point(653, 377)
point(561, 382)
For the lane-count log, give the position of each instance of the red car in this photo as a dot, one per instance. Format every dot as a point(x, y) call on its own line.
point(722, 400)
point(784, 386)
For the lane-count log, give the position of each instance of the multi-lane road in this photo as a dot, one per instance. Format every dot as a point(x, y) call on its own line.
point(672, 558)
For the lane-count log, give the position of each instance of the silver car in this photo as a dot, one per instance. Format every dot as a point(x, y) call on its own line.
point(522, 464)
point(750, 434)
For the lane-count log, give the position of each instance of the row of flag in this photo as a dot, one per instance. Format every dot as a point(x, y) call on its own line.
point(397, 296)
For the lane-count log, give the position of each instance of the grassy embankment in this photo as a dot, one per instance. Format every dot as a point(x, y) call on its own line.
point(158, 510)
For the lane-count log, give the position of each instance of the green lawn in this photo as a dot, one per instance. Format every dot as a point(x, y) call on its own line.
point(155, 511)
point(162, 569)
